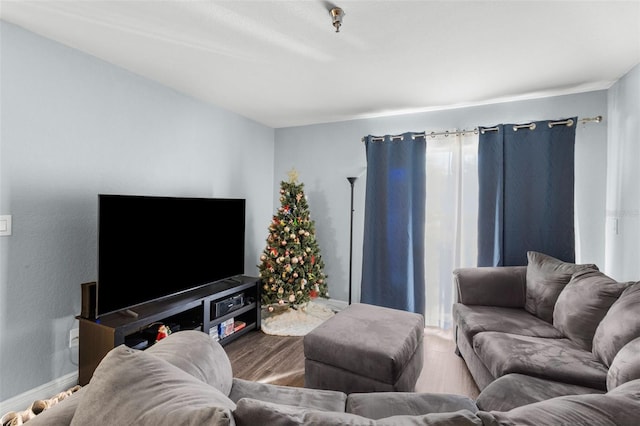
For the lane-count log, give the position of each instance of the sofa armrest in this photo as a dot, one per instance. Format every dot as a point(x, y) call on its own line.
point(503, 286)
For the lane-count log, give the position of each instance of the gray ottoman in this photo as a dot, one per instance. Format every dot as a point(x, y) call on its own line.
point(365, 348)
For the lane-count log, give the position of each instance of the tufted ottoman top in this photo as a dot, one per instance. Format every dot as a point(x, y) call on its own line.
point(368, 340)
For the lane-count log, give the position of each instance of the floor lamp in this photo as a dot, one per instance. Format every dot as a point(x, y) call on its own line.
point(351, 180)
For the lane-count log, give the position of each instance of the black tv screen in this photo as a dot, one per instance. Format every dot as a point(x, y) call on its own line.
point(153, 247)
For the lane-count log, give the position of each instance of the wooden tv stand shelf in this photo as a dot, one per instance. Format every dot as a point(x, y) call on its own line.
point(195, 309)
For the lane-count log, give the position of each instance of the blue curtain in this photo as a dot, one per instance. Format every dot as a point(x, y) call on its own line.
point(526, 182)
point(393, 252)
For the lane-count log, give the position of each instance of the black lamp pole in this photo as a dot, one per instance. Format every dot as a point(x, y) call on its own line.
point(351, 180)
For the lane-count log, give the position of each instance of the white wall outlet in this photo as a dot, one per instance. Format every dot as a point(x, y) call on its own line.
point(5, 225)
point(74, 337)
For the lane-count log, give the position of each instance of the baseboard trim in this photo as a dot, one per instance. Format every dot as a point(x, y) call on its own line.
point(24, 400)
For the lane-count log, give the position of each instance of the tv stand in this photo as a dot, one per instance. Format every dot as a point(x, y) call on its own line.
point(192, 310)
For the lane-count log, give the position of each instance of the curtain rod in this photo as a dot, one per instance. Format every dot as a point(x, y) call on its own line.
point(530, 126)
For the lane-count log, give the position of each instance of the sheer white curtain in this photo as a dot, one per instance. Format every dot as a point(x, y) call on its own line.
point(451, 220)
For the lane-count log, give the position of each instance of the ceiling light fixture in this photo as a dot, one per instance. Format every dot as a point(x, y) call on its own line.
point(336, 16)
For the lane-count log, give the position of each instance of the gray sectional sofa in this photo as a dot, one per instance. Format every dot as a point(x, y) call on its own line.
point(186, 379)
point(550, 343)
point(549, 329)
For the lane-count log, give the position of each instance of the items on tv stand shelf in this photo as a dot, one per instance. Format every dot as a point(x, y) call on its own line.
point(233, 301)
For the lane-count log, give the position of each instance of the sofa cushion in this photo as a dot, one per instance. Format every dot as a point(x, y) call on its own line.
point(474, 319)
point(583, 304)
point(205, 360)
point(546, 278)
point(516, 390)
point(251, 412)
point(619, 326)
point(134, 387)
point(616, 408)
point(629, 389)
point(317, 399)
point(625, 366)
point(554, 359)
point(378, 405)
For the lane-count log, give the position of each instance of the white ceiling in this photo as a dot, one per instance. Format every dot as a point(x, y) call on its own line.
point(281, 63)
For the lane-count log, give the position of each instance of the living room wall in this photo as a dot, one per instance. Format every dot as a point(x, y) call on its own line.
point(623, 174)
point(326, 154)
point(74, 126)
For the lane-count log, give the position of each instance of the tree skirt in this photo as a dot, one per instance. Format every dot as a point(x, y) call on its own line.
point(296, 322)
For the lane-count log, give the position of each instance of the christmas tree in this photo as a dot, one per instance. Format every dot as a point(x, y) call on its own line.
point(291, 267)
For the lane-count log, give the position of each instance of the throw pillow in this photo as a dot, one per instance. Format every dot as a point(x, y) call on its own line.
point(619, 326)
point(250, 412)
point(133, 387)
point(625, 366)
point(546, 278)
point(583, 304)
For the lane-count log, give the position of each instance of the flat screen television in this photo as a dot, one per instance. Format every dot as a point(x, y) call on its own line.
point(153, 247)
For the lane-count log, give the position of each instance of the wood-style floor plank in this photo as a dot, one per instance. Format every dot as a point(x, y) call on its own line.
point(443, 370)
point(280, 360)
point(268, 359)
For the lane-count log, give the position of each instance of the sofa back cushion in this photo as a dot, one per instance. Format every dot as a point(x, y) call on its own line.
point(378, 405)
point(199, 355)
point(546, 278)
point(583, 304)
point(131, 387)
point(625, 366)
point(620, 407)
point(619, 326)
point(251, 412)
point(317, 399)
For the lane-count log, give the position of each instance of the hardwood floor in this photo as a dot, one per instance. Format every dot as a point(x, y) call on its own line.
point(280, 360)
point(268, 359)
point(443, 370)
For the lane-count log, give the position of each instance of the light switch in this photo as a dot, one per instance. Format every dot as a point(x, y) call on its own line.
point(5, 225)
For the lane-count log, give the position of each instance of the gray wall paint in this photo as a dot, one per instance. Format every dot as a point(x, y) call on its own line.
point(623, 175)
point(74, 126)
point(326, 154)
